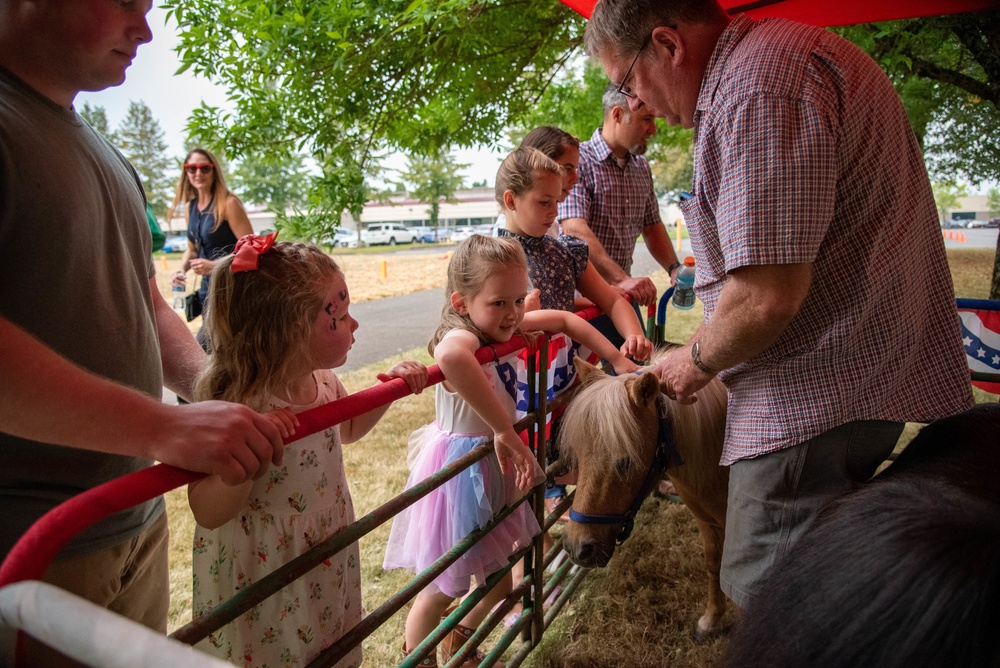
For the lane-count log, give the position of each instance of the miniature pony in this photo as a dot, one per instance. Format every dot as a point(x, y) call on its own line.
point(612, 434)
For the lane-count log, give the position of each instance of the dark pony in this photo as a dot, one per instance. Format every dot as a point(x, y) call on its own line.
point(904, 571)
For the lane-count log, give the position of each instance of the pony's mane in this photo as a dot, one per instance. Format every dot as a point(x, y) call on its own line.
point(602, 417)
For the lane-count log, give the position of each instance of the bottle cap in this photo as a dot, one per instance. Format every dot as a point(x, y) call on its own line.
point(689, 261)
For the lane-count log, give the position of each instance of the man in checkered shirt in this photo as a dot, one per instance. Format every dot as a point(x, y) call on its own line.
point(829, 308)
point(614, 203)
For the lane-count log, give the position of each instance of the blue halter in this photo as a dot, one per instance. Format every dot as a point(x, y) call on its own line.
point(666, 452)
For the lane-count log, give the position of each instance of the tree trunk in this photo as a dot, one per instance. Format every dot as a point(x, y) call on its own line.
point(995, 283)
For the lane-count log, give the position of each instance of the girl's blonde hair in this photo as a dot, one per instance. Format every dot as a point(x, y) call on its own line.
point(187, 192)
point(520, 170)
point(260, 321)
point(475, 260)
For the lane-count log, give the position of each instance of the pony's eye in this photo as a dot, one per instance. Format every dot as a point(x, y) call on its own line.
point(623, 466)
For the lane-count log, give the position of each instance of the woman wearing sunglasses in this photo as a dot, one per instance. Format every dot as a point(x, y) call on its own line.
point(215, 220)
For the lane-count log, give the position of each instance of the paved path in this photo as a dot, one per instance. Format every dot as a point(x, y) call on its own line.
point(974, 238)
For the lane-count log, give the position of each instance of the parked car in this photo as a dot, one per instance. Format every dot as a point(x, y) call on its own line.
point(175, 244)
point(344, 238)
point(462, 233)
point(949, 223)
point(425, 235)
point(976, 223)
point(387, 233)
point(993, 222)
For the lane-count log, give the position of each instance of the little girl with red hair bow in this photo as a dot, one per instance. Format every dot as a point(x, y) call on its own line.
point(279, 323)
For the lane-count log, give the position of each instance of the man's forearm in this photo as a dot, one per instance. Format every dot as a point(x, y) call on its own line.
point(754, 309)
point(180, 355)
point(47, 398)
point(659, 246)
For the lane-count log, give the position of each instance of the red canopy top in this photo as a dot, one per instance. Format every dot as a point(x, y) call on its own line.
point(831, 12)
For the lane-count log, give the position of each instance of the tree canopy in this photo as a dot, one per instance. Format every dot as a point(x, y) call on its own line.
point(348, 80)
point(140, 139)
point(98, 119)
point(947, 72)
point(278, 185)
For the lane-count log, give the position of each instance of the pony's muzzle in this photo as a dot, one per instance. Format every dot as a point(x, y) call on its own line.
point(586, 549)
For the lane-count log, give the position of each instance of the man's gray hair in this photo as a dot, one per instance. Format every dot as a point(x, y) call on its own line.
point(612, 98)
point(619, 27)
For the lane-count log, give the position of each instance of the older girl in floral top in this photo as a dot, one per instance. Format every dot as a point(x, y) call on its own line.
point(528, 187)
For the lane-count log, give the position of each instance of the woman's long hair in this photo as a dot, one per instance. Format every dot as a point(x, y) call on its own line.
point(260, 321)
point(187, 192)
point(475, 260)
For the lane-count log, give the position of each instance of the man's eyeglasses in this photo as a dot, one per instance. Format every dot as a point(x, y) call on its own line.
point(204, 168)
point(621, 87)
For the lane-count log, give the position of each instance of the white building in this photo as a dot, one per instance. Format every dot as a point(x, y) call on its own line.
point(971, 207)
point(474, 206)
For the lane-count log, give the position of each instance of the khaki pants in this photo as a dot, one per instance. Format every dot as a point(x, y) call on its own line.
point(130, 579)
point(775, 497)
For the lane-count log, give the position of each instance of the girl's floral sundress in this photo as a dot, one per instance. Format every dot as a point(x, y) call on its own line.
point(293, 507)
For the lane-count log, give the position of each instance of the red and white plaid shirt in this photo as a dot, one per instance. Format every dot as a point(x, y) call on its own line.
point(617, 201)
point(803, 154)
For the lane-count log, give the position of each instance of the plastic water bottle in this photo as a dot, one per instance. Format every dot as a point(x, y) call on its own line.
point(684, 290)
point(178, 290)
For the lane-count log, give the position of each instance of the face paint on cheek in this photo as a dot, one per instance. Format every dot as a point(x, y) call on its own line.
point(328, 309)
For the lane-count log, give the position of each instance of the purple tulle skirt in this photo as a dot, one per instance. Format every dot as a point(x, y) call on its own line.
point(422, 533)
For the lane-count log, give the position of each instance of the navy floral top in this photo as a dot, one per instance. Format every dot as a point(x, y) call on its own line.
point(554, 266)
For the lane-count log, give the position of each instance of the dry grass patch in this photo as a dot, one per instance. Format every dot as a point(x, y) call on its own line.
point(641, 610)
point(971, 271)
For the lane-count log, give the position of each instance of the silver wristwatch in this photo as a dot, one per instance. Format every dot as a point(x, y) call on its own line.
point(696, 358)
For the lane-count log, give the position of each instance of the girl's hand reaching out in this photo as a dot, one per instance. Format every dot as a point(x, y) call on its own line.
point(624, 365)
point(414, 373)
point(511, 451)
point(285, 420)
point(638, 348)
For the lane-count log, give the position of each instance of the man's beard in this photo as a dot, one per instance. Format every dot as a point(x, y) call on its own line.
point(639, 149)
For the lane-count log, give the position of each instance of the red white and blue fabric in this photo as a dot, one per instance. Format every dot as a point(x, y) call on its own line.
point(981, 338)
point(513, 371)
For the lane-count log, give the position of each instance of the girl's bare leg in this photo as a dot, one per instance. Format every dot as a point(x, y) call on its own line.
point(482, 609)
point(424, 616)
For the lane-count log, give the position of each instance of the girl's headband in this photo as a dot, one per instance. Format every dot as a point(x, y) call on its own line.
point(248, 251)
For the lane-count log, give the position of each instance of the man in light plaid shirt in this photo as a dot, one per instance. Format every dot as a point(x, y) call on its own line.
point(829, 308)
point(614, 203)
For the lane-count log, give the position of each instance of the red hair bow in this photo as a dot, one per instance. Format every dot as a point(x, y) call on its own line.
point(248, 251)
